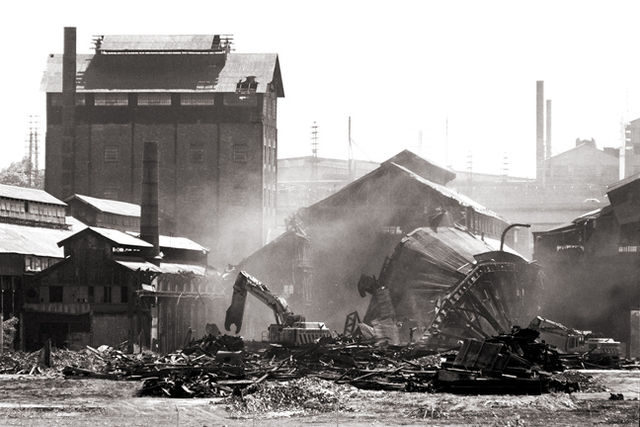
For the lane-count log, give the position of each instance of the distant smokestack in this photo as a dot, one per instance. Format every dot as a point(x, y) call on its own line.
point(68, 109)
point(540, 131)
point(149, 231)
point(547, 149)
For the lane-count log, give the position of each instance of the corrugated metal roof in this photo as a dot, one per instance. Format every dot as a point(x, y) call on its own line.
point(165, 267)
point(181, 243)
point(30, 194)
point(27, 240)
point(139, 265)
point(173, 268)
point(175, 72)
point(121, 238)
point(147, 42)
point(115, 236)
point(109, 206)
point(176, 242)
point(450, 193)
point(240, 65)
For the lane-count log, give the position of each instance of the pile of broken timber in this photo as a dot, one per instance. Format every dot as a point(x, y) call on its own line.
point(220, 366)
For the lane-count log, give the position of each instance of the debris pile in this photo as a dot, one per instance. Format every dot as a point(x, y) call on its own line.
point(300, 395)
point(223, 366)
point(16, 362)
point(513, 363)
point(9, 330)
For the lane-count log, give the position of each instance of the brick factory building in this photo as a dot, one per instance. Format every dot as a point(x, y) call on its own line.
point(212, 111)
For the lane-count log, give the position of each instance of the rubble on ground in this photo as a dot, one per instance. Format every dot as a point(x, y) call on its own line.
point(225, 366)
point(308, 395)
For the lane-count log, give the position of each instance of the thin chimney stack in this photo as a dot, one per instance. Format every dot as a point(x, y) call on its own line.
point(540, 131)
point(149, 229)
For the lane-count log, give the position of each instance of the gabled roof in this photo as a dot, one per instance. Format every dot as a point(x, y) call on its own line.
point(116, 237)
point(345, 193)
point(167, 73)
point(450, 193)
point(585, 146)
point(108, 206)
point(420, 165)
point(30, 194)
point(175, 242)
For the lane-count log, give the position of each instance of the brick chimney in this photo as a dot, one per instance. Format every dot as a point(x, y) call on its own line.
point(68, 110)
point(149, 230)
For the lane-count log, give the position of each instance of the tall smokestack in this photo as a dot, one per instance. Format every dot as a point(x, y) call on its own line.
point(540, 131)
point(149, 231)
point(68, 110)
point(547, 149)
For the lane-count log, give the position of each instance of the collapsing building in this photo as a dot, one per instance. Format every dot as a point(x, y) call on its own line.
point(443, 284)
point(331, 243)
point(592, 269)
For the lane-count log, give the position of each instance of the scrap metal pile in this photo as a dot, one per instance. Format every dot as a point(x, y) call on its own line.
point(444, 284)
point(224, 366)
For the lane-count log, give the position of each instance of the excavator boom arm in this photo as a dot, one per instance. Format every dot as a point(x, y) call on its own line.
point(246, 283)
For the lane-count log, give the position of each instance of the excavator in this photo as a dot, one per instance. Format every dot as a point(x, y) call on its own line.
point(597, 351)
point(290, 329)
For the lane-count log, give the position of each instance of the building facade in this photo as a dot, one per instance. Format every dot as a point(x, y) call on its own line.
point(575, 182)
point(31, 224)
point(213, 113)
point(591, 266)
point(107, 291)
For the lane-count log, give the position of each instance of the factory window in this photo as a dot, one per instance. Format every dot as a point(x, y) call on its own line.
point(57, 100)
point(90, 294)
point(196, 153)
point(55, 293)
point(240, 153)
point(124, 294)
point(197, 99)
point(111, 99)
point(154, 99)
point(111, 153)
point(106, 295)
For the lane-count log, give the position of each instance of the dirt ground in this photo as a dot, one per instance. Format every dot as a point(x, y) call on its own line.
point(32, 400)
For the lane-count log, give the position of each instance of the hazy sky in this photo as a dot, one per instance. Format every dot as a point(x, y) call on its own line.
point(397, 67)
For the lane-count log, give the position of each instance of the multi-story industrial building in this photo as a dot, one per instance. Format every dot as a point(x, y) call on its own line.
point(212, 111)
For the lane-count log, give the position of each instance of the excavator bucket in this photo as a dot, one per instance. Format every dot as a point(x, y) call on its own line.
point(235, 312)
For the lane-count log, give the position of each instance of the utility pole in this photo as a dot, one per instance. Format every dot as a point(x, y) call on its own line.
point(36, 169)
point(314, 161)
point(29, 165)
point(351, 168)
point(470, 171)
point(446, 142)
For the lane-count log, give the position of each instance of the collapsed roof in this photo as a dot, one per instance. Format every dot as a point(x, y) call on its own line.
point(447, 284)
